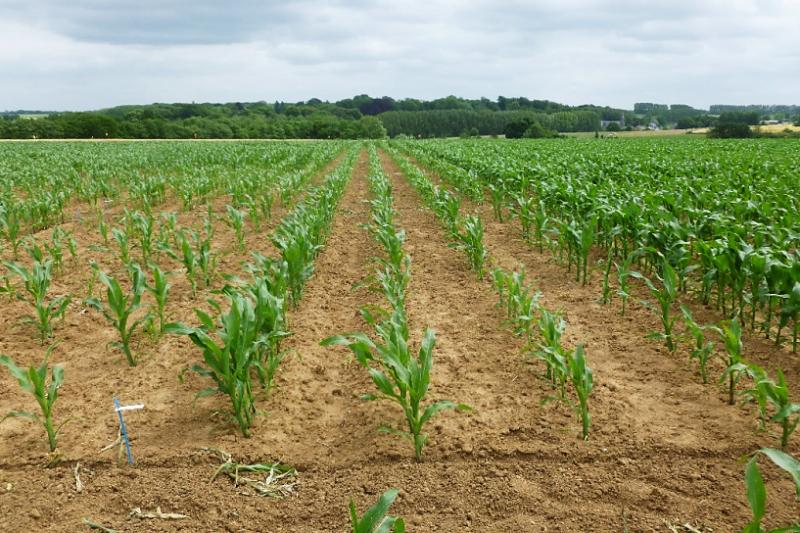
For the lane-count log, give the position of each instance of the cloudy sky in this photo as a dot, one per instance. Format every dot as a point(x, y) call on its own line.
point(88, 54)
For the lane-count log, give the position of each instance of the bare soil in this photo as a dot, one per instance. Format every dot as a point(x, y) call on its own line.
point(664, 449)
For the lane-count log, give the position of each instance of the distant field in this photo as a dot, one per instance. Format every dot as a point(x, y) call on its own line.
point(772, 128)
point(778, 128)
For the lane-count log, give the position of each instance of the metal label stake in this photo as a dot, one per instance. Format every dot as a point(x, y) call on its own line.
point(123, 430)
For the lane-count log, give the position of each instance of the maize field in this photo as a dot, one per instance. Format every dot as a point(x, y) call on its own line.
point(417, 335)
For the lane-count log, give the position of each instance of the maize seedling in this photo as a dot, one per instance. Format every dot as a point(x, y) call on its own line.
point(624, 274)
point(37, 284)
point(34, 381)
point(398, 375)
point(120, 307)
point(229, 361)
point(471, 241)
point(787, 414)
point(124, 246)
point(701, 349)
point(757, 492)
point(582, 382)
point(235, 221)
point(160, 291)
point(376, 519)
point(665, 295)
point(731, 333)
point(10, 228)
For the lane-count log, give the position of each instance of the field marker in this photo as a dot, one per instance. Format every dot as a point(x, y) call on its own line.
point(123, 431)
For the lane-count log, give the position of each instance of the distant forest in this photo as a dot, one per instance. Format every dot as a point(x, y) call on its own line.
point(361, 117)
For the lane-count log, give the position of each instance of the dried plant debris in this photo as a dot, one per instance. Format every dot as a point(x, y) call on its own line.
point(275, 480)
point(99, 527)
point(137, 512)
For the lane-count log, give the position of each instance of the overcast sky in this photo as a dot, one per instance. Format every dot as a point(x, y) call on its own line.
point(88, 54)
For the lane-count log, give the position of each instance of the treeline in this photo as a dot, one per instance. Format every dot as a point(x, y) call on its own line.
point(451, 123)
point(366, 117)
point(97, 125)
point(358, 117)
point(762, 110)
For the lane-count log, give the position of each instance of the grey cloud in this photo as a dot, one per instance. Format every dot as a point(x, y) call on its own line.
point(93, 53)
point(157, 22)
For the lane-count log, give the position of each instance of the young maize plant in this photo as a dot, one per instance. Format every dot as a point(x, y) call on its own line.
point(399, 376)
point(294, 238)
point(519, 300)
point(72, 246)
point(447, 207)
point(206, 258)
point(188, 258)
point(606, 299)
point(7, 288)
point(159, 289)
point(580, 239)
point(666, 296)
point(787, 414)
point(271, 323)
point(731, 333)
point(471, 241)
point(624, 273)
point(229, 361)
point(757, 492)
point(120, 307)
point(300, 235)
point(393, 280)
point(265, 202)
point(10, 227)
point(34, 381)
point(758, 392)
point(167, 228)
point(56, 246)
point(274, 272)
point(235, 221)
point(376, 519)
point(541, 226)
point(37, 284)
point(702, 350)
point(497, 197)
point(582, 381)
point(551, 352)
point(102, 227)
point(790, 310)
point(121, 237)
point(523, 210)
point(144, 225)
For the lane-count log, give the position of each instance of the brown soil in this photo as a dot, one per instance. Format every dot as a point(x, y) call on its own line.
point(663, 447)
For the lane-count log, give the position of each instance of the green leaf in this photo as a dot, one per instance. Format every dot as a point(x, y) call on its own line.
point(377, 513)
point(786, 462)
point(21, 414)
point(176, 328)
point(756, 493)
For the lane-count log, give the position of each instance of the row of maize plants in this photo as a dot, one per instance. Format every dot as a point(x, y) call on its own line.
point(542, 329)
point(250, 331)
point(724, 215)
point(399, 375)
point(40, 185)
point(464, 232)
point(241, 346)
point(757, 275)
